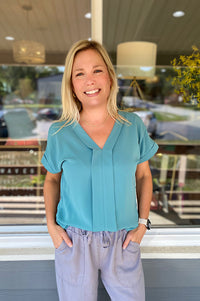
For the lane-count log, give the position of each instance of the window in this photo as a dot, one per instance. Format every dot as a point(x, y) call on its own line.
point(171, 122)
point(30, 100)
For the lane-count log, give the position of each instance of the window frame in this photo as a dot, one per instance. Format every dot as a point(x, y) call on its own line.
point(21, 243)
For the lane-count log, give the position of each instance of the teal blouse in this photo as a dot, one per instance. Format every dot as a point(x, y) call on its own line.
point(98, 185)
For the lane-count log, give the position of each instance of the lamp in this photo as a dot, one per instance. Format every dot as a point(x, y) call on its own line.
point(136, 60)
point(27, 51)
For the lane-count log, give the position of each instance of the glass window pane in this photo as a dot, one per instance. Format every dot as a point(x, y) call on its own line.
point(173, 123)
point(30, 98)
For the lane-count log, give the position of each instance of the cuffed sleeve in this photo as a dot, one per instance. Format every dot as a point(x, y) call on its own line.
point(50, 159)
point(147, 146)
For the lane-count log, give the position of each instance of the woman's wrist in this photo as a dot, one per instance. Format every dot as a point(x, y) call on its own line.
point(142, 226)
point(51, 223)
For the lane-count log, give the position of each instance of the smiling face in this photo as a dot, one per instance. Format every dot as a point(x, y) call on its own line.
point(90, 79)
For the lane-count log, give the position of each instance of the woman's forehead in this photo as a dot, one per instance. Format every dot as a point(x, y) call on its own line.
point(88, 56)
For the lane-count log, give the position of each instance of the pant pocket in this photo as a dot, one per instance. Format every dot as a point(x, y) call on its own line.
point(129, 266)
point(70, 262)
point(61, 246)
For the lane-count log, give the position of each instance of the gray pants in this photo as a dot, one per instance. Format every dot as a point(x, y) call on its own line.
point(77, 267)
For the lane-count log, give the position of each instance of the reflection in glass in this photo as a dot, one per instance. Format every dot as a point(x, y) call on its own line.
point(31, 101)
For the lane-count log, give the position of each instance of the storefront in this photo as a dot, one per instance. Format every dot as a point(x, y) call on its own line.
point(30, 101)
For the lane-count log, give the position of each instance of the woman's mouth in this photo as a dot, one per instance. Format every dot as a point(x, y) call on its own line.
point(92, 92)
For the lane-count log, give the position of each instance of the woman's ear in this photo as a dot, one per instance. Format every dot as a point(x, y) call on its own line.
point(111, 83)
point(73, 93)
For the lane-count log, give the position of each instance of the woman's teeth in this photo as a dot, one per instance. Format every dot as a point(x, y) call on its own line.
point(92, 92)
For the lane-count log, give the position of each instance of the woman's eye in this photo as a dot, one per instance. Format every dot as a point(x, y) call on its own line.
point(79, 74)
point(97, 71)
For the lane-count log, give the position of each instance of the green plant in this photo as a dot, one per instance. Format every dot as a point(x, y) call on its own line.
point(187, 81)
point(38, 180)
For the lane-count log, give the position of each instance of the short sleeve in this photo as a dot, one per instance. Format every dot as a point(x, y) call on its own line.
point(50, 159)
point(147, 146)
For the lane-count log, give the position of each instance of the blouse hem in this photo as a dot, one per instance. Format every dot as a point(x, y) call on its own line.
point(127, 228)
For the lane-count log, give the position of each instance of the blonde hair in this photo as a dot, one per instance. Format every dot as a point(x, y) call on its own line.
point(70, 103)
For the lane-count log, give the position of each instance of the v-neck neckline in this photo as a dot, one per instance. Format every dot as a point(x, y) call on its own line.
point(110, 141)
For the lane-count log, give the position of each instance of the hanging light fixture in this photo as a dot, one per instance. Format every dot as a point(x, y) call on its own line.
point(27, 51)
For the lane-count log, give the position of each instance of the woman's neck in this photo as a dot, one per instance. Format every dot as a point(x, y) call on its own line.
point(94, 116)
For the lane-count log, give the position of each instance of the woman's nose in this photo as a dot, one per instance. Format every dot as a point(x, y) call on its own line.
point(90, 80)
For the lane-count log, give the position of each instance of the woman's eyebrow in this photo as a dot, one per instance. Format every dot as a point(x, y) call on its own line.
point(96, 66)
point(81, 69)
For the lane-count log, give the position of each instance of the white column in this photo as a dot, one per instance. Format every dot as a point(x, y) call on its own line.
point(97, 20)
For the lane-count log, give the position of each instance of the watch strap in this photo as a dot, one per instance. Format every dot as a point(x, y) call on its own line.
point(145, 222)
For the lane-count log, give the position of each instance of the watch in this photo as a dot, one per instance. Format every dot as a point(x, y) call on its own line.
point(145, 222)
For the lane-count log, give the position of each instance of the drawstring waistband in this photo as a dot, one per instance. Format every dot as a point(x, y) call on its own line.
point(106, 237)
point(105, 240)
point(89, 237)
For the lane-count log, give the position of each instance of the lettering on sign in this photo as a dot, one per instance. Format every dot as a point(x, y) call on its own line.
point(18, 170)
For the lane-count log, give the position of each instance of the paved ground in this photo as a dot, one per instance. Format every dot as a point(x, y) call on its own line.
point(179, 130)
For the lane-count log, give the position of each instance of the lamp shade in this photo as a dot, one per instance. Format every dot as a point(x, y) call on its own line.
point(136, 59)
point(29, 52)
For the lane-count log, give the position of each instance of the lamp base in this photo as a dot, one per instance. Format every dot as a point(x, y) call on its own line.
point(136, 88)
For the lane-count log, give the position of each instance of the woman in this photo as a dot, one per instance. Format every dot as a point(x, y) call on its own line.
point(97, 170)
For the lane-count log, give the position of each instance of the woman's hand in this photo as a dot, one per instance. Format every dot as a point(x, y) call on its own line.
point(135, 235)
point(58, 234)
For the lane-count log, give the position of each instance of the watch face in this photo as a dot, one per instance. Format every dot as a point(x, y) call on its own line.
point(148, 224)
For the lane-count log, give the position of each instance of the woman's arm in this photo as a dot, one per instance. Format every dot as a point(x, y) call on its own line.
point(144, 189)
point(144, 196)
point(51, 199)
